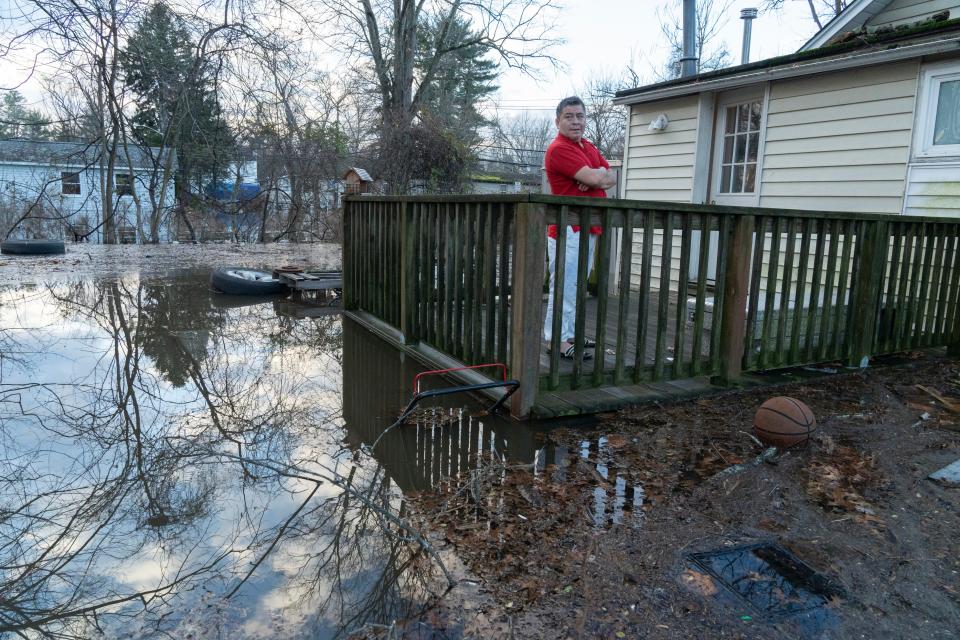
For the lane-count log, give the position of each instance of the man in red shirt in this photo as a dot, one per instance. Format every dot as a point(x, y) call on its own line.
point(575, 167)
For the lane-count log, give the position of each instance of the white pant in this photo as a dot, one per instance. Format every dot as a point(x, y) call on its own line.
point(572, 257)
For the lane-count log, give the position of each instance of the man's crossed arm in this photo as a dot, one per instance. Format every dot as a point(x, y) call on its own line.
point(597, 178)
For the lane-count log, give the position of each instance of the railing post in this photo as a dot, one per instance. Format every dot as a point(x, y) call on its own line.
point(526, 333)
point(953, 347)
point(347, 251)
point(408, 273)
point(953, 314)
point(736, 288)
point(867, 290)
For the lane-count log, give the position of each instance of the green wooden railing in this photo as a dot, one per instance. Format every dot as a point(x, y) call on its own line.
point(680, 290)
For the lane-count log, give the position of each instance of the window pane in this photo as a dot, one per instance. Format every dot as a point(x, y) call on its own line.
point(740, 149)
point(725, 180)
point(124, 185)
point(728, 149)
point(731, 119)
point(946, 130)
point(70, 183)
point(737, 179)
point(755, 116)
point(752, 147)
point(743, 121)
point(750, 175)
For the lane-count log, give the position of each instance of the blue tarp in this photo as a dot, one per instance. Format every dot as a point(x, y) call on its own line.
point(224, 191)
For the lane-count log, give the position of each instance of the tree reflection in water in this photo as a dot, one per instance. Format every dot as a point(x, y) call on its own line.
point(170, 468)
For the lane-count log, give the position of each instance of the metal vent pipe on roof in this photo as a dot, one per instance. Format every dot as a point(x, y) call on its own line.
point(689, 60)
point(747, 15)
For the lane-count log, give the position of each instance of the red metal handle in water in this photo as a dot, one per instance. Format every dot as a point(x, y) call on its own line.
point(416, 378)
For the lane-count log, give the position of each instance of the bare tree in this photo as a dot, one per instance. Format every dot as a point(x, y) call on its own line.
point(821, 11)
point(300, 125)
point(606, 122)
point(711, 52)
point(522, 139)
point(84, 35)
point(383, 35)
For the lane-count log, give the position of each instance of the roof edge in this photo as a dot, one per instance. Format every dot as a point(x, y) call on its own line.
point(804, 63)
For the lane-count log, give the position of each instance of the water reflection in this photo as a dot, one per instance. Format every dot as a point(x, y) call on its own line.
point(171, 465)
point(176, 463)
point(436, 443)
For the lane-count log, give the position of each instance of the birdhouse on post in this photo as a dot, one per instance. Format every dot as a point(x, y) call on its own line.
point(358, 181)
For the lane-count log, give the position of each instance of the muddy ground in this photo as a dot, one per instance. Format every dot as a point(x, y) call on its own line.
point(558, 555)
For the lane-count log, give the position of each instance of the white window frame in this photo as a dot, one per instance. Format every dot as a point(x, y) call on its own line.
point(931, 77)
point(123, 189)
point(78, 183)
point(754, 94)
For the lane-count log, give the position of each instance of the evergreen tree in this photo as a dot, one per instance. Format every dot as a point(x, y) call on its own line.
point(459, 82)
point(17, 121)
point(177, 106)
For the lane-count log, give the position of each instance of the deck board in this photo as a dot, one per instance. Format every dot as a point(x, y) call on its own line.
point(612, 326)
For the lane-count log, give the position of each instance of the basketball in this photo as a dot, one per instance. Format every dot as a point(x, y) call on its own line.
point(783, 422)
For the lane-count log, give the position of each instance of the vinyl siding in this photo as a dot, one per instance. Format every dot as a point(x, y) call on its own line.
point(840, 142)
point(934, 190)
point(660, 163)
point(660, 167)
point(909, 11)
point(22, 185)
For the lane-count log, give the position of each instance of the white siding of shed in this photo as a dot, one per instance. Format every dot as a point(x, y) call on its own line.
point(934, 190)
point(660, 167)
point(901, 12)
point(841, 141)
point(659, 164)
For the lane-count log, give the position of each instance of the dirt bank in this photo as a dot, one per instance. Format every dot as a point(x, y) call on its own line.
point(598, 542)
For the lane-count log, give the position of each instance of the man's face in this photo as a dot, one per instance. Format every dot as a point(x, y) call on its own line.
point(571, 121)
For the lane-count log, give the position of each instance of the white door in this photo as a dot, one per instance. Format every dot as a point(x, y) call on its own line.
point(736, 150)
point(735, 166)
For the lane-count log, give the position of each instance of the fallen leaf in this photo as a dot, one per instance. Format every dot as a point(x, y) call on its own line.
point(699, 582)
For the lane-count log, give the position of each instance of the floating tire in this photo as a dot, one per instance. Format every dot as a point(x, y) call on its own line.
point(239, 281)
point(32, 247)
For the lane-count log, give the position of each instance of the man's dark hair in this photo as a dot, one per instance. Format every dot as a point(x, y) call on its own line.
point(571, 101)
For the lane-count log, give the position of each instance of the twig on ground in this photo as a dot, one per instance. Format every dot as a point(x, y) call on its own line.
point(737, 468)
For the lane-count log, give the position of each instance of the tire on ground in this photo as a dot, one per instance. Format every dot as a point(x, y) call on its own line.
point(32, 247)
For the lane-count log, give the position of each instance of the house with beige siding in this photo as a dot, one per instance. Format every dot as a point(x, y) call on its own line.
point(865, 117)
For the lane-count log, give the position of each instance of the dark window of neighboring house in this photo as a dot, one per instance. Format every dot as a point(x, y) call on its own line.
point(69, 183)
point(124, 184)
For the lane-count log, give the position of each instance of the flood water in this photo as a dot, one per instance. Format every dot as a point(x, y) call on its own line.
point(178, 464)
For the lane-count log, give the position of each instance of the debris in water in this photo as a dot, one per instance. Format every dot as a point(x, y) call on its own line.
point(949, 475)
point(769, 578)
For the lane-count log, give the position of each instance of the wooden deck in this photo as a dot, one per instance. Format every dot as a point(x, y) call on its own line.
point(686, 295)
point(629, 348)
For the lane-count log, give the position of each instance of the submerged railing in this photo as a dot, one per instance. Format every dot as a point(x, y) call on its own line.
point(677, 291)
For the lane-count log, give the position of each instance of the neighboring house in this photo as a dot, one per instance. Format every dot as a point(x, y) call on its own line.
point(865, 117)
point(61, 185)
point(493, 184)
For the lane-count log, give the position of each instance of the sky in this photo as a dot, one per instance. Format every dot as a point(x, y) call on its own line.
point(602, 36)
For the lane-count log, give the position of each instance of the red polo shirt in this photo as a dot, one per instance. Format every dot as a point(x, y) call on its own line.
point(564, 158)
